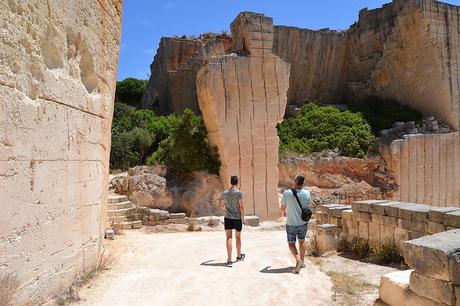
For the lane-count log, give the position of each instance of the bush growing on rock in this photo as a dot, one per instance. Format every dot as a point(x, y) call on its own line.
point(186, 149)
point(318, 128)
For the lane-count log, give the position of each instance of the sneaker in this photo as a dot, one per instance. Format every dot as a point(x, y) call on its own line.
point(303, 265)
point(229, 263)
point(241, 257)
point(298, 266)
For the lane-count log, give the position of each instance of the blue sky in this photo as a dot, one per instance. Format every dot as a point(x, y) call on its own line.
point(146, 21)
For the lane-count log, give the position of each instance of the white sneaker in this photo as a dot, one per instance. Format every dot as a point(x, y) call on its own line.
point(303, 265)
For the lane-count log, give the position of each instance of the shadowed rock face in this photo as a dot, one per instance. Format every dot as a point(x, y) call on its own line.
point(407, 50)
point(242, 98)
point(57, 80)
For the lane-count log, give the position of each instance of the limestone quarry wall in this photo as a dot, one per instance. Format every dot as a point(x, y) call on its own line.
point(58, 67)
point(242, 98)
point(407, 50)
point(426, 168)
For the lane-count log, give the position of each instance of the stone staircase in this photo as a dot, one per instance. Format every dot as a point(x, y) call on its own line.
point(122, 213)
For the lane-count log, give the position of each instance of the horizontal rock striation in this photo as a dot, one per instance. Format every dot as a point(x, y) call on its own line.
point(57, 82)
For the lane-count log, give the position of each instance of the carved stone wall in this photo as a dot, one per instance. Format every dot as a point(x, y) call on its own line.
point(426, 168)
point(58, 67)
point(242, 98)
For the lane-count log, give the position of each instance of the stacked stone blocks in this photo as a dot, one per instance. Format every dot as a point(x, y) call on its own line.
point(388, 222)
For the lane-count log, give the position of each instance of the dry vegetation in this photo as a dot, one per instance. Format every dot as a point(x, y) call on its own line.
point(9, 284)
point(346, 288)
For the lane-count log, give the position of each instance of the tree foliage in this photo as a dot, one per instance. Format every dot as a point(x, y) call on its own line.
point(136, 134)
point(187, 149)
point(130, 91)
point(382, 114)
point(318, 128)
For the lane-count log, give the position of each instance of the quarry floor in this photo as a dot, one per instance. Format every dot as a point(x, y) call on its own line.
point(187, 268)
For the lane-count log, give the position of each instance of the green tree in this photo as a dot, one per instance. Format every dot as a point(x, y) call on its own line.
point(318, 128)
point(130, 91)
point(187, 149)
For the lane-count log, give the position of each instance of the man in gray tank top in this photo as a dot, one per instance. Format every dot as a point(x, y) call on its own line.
point(231, 201)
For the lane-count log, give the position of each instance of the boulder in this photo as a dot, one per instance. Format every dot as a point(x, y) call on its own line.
point(394, 287)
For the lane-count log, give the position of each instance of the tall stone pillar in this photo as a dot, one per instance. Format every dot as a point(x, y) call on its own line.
point(242, 97)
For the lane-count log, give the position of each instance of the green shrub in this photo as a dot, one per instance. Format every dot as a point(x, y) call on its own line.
point(382, 114)
point(318, 128)
point(186, 149)
point(130, 91)
point(386, 253)
point(136, 134)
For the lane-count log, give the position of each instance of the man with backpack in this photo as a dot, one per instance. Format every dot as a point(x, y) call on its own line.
point(295, 206)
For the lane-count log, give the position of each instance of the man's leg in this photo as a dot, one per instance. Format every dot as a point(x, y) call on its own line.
point(228, 233)
point(302, 250)
point(238, 243)
point(294, 251)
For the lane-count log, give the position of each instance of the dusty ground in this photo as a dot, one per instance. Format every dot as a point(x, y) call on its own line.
point(188, 269)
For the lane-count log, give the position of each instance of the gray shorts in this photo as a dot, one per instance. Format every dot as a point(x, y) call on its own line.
point(296, 232)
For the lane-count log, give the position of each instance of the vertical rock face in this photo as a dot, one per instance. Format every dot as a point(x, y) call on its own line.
point(58, 64)
point(172, 85)
point(242, 98)
point(426, 168)
point(407, 50)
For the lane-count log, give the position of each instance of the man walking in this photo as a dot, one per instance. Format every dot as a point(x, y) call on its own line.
point(232, 202)
point(296, 228)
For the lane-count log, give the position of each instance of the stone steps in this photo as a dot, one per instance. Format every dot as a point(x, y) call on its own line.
point(122, 212)
point(119, 205)
point(117, 198)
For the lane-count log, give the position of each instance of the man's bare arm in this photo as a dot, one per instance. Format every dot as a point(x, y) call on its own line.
point(242, 211)
point(283, 210)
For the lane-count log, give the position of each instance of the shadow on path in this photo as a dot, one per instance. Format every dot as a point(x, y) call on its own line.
point(215, 264)
point(277, 271)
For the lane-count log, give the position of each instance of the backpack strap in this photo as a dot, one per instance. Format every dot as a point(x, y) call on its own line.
point(294, 192)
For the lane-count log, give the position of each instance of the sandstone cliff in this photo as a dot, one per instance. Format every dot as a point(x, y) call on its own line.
point(57, 82)
point(172, 87)
point(242, 98)
point(407, 50)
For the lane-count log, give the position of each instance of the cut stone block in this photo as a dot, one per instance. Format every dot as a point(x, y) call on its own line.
point(110, 234)
point(433, 289)
point(394, 287)
point(324, 208)
point(366, 205)
point(415, 235)
point(421, 227)
point(363, 216)
point(337, 211)
point(363, 230)
point(437, 214)
point(336, 221)
point(325, 239)
point(253, 220)
point(158, 214)
point(414, 299)
point(452, 219)
point(136, 224)
point(387, 234)
point(379, 302)
point(414, 212)
point(457, 295)
point(389, 208)
point(435, 227)
point(177, 216)
point(385, 220)
point(374, 232)
point(401, 236)
point(117, 199)
point(436, 256)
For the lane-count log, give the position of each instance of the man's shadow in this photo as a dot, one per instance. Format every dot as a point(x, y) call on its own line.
point(210, 263)
point(268, 269)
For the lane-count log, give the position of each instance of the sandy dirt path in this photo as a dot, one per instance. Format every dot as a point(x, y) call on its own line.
point(187, 269)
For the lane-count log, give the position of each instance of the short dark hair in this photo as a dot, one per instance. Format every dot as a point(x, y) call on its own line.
point(299, 180)
point(234, 180)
